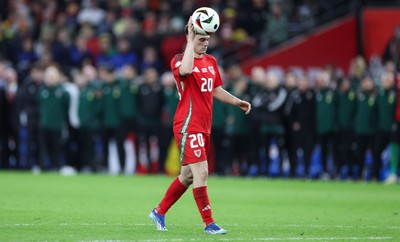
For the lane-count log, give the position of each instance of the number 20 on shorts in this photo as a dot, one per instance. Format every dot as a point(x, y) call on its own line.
point(196, 140)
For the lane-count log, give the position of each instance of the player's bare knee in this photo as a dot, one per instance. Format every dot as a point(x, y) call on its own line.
point(186, 179)
point(203, 175)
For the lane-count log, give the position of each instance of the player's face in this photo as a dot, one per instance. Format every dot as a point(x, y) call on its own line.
point(201, 43)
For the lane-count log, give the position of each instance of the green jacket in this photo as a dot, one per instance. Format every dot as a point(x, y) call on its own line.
point(386, 105)
point(238, 122)
point(128, 101)
point(90, 105)
point(366, 114)
point(53, 107)
point(346, 109)
point(171, 99)
point(111, 115)
point(326, 111)
point(219, 115)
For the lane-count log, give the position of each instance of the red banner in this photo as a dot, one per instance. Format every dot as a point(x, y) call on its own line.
point(334, 44)
point(378, 29)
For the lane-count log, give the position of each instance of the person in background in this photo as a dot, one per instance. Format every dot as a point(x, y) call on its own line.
point(276, 26)
point(129, 83)
point(171, 99)
point(326, 120)
point(91, 13)
point(25, 57)
point(60, 49)
point(12, 134)
point(268, 111)
point(290, 150)
point(385, 104)
point(237, 127)
point(365, 122)
point(72, 149)
point(53, 111)
point(107, 51)
point(306, 120)
point(256, 84)
point(28, 112)
point(150, 104)
point(300, 110)
point(79, 53)
point(218, 149)
point(111, 115)
point(150, 59)
point(346, 113)
point(124, 55)
point(358, 67)
point(89, 112)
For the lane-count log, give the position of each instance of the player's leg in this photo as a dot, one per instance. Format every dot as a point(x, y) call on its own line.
point(200, 174)
point(177, 188)
point(200, 194)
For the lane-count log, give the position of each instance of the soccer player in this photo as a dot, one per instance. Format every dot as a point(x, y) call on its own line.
point(198, 81)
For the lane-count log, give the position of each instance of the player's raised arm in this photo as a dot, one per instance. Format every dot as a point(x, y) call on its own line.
point(186, 67)
point(224, 96)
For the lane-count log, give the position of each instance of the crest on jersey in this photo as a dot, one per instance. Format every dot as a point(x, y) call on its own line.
point(197, 153)
point(211, 68)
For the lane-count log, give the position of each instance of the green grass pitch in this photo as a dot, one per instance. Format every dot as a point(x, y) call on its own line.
point(50, 207)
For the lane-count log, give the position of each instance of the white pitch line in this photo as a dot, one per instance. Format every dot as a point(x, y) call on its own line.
point(274, 239)
point(228, 225)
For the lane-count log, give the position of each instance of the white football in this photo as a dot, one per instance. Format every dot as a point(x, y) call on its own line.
point(205, 20)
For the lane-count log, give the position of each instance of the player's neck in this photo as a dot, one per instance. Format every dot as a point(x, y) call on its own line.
point(197, 55)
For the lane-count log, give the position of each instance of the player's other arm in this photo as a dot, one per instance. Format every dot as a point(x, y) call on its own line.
point(186, 67)
point(225, 97)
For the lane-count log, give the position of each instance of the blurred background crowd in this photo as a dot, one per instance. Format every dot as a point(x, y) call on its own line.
point(86, 85)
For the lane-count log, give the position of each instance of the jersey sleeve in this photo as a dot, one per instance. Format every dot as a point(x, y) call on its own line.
point(175, 64)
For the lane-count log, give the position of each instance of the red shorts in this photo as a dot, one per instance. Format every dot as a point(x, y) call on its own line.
point(192, 147)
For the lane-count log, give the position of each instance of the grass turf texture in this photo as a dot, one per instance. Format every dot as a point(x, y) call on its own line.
point(50, 207)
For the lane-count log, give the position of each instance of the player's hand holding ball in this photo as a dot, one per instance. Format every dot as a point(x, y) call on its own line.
point(191, 31)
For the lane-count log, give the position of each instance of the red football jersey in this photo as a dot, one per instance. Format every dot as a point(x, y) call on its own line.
point(194, 111)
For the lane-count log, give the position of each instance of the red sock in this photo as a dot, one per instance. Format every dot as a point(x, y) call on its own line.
point(174, 192)
point(203, 204)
